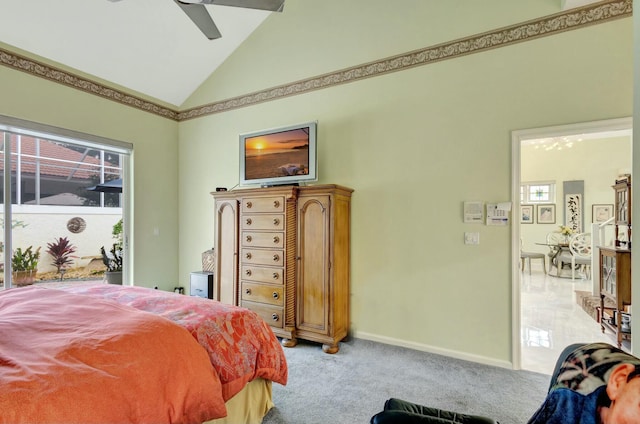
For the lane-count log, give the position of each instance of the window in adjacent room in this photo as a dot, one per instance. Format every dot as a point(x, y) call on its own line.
point(538, 192)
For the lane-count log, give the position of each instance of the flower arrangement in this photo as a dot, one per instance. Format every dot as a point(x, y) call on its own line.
point(566, 231)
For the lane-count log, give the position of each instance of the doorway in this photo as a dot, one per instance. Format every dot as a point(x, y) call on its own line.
point(546, 313)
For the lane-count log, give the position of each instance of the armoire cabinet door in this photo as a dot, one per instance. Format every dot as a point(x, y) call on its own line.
point(226, 251)
point(313, 284)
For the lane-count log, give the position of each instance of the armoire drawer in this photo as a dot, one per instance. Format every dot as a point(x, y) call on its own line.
point(273, 222)
point(272, 315)
point(263, 293)
point(262, 257)
point(263, 204)
point(262, 274)
point(269, 239)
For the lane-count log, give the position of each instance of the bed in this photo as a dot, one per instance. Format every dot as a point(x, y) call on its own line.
point(134, 355)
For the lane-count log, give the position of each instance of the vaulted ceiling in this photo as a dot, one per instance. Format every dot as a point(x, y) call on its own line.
point(149, 46)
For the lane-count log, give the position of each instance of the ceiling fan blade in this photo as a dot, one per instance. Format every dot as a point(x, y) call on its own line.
point(200, 16)
point(271, 5)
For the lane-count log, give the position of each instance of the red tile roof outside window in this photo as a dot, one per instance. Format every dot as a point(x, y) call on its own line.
point(62, 169)
point(57, 160)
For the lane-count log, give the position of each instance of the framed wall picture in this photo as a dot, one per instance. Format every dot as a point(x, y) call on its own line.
point(526, 214)
point(573, 212)
point(546, 214)
point(600, 213)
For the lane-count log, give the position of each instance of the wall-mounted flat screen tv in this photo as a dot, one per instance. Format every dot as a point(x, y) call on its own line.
point(279, 156)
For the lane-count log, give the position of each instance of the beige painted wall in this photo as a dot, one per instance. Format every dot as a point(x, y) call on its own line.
point(414, 145)
point(155, 165)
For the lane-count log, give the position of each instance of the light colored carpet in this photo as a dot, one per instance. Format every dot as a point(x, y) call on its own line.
point(352, 385)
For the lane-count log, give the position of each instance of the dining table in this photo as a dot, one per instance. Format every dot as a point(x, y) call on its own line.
point(556, 253)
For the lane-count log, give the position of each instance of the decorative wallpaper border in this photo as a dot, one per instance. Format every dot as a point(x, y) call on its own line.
point(51, 73)
point(596, 13)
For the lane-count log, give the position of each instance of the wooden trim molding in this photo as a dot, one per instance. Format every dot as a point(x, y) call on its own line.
point(572, 19)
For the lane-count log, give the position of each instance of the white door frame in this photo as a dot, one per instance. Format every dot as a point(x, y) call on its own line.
point(517, 137)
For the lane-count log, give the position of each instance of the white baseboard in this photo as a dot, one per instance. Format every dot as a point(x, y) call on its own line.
point(432, 349)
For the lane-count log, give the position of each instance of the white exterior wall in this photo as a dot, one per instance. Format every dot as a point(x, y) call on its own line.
point(46, 224)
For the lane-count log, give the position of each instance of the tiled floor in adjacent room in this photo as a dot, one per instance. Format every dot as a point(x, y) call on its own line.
point(552, 319)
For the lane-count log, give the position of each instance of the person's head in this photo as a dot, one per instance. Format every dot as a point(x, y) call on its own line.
point(623, 389)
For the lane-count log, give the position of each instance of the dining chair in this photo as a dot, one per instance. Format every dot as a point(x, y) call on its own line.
point(554, 239)
point(580, 247)
point(532, 255)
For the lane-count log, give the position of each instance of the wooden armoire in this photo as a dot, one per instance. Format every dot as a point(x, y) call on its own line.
point(283, 252)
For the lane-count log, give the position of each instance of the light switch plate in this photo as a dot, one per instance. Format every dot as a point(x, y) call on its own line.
point(471, 238)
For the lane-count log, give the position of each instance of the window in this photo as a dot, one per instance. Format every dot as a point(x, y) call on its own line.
point(538, 192)
point(58, 173)
point(45, 177)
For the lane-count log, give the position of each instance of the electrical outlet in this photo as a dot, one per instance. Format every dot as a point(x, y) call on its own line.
point(471, 238)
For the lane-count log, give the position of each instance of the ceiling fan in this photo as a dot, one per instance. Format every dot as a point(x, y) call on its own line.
point(197, 12)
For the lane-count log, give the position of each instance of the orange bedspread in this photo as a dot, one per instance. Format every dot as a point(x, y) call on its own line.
point(241, 346)
point(66, 358)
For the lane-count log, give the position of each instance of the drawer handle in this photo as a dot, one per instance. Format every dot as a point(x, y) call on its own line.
point(249, 205)
point(275, 317)
point(248, 221)
point(275, 295)
point(248, 256)
point(275, 276)
point(247, 291)
point(248, 272)
point(276, 239)
point(276, 221)
point(276, 204)
point(276, 258)
point(249, 238)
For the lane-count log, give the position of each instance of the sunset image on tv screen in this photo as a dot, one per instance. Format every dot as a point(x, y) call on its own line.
point(277, 155)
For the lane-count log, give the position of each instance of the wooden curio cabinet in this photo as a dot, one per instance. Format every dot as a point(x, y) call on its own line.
point(622, 211)
point(615, 286)
point(615, 267)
